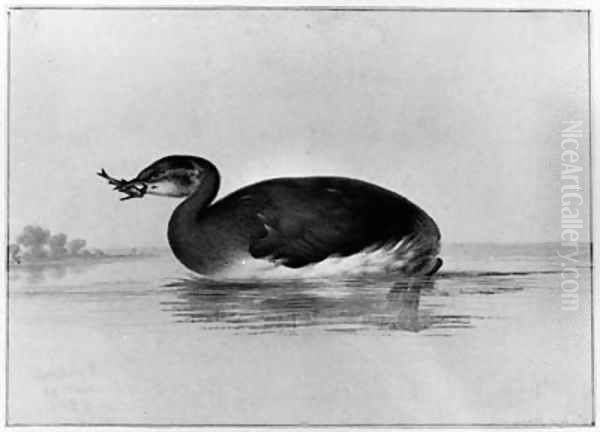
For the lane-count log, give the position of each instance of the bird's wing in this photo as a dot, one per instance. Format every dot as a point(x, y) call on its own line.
point(303, 225)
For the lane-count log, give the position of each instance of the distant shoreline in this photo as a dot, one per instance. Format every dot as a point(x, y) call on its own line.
point(80, 260)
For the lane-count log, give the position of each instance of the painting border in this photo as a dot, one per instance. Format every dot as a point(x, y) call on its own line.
point(316, 8)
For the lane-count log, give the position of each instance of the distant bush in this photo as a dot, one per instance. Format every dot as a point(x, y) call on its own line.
point(36, 243)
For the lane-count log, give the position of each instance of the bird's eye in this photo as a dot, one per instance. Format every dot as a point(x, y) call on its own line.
point(153, 187)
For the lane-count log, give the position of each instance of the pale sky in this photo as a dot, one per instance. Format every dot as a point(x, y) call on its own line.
point(460, 112)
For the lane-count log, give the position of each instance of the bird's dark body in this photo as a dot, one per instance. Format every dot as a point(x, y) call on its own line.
point(300, 221)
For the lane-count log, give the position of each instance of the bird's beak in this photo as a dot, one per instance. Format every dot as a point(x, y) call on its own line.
point(133, 188)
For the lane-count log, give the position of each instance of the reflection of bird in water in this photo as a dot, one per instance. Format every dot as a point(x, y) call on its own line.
point(346, 305)
point(293, 225)
point(405, 296)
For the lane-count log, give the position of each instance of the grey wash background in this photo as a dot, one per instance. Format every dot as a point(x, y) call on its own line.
point(460, 111)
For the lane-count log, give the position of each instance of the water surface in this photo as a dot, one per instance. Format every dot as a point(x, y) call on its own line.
point(144, 341)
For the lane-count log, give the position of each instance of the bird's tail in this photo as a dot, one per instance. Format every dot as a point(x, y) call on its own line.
point(419, 254)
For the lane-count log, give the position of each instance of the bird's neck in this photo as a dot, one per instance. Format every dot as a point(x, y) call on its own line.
point(183, 226)
point(190, 209)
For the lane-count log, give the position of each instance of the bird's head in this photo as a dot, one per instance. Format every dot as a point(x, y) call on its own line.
point(172, 176)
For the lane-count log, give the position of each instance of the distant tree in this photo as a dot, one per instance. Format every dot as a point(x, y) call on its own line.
point(57, 244)
point(34, 239)
point(75, 246)
point(33, 236)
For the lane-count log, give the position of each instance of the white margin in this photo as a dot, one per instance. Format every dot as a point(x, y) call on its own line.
point(592, 5)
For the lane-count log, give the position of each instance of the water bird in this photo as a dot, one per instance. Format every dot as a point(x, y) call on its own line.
point(288, 227)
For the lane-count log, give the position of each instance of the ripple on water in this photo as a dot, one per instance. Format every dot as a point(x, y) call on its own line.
point(348, 305)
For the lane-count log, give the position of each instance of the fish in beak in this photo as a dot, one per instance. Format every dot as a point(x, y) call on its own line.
point(132, 188)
